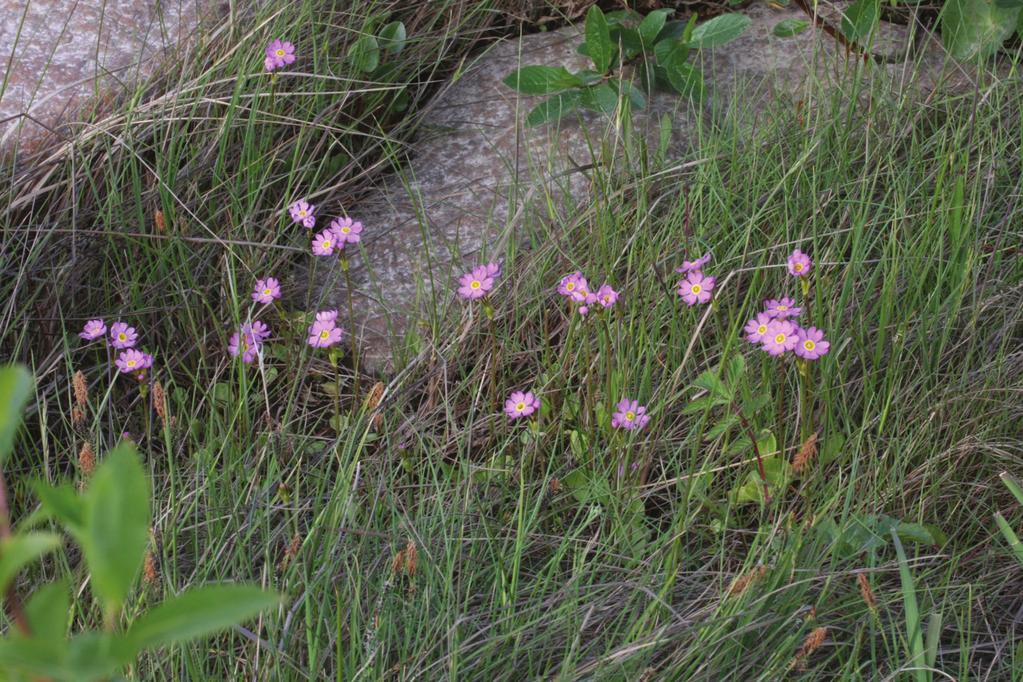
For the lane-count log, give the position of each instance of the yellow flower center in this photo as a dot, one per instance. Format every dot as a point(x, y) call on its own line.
point(762, 329)
point(607, 298)
point(326, 243)
point(520, 406)
point(475, 284)
point(696, 289)
point(780, 338)
point(266, 292)
point(798, 267)
point(345, 230)
point(280, 52)
point(630, 415)
point(130, 363)
point(783, 308)
point(301, 213)
point(122, 337)
point(570, 286)
point(325, 334)
point(809, 345)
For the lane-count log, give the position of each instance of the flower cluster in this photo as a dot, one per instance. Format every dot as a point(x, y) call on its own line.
point(123, 338)
point(342, 231)
point(303, 213)
point(774, 329)
point(247, 342)
point(279, 53)
point(479, 281)
point(576, 289)
point(695, 287)
point(324, 332)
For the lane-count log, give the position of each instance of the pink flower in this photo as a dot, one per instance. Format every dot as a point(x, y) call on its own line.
point(570, 284)
point(475, 284)
point(323, 243)
point(279, 53)
point(326, 316)
point(122, 336)
point(133, 360)
point(630, 415)
point(246, 342)
point(781, 336)
point(799, 264)
point(782, 308)
point(521, 404)
point(346, 231)
point(267, 290)
point(93, 329)
point(493, 270)
point(324, 334)
point(606, 296)
point(694, 265)
point(757, 327)
point(303, 213)
point(257, 330)
point(811, 344)
point(696, 288)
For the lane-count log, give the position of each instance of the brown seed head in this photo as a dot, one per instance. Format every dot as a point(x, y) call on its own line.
point(160, 221)
point(81, 387)
point(160, 402)
point(866, 592)
point(290, 552)
point(86, 459)
point(149, 572)
point(77, 416)
point(743, 582)
point(812, 642)
point(806, 454)
point(411, 559)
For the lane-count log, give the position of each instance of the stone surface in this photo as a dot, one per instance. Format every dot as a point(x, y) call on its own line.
point(474, 165)
point(68, 51)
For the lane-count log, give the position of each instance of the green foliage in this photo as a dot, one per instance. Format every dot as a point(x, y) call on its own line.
point(110, 522)
point(15, 389)
point(790, 27)
point(660, 50)
point(976, 28)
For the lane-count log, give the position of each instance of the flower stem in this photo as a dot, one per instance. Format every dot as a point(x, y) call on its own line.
point(351, 324)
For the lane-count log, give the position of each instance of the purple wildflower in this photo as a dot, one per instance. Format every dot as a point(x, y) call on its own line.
point(757, 327)
point(476, 283)
point(323, 243)
point(346, 231)
point(326, 316)
point(799, 264)
point(521, 404)
point(247, 340)
point(493, 269)
point(132, 360)
point(570, 283)
point(696, 288)
point(267, 290)
point(782, 308)
point(694, 265)
point(303, 213)
point(606, 296)
point(279, 53)
point(781, 336)
point(93, 329)
point(122, 336)
point(811, 344)
point(257, 330)
point(324, 334)
point(630, 415)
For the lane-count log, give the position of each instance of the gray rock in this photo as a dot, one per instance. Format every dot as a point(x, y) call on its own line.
point(63, 52)
point(474, 166)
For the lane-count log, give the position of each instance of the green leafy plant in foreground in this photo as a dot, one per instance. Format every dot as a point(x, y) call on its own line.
point(658, 49)
point(109, 521)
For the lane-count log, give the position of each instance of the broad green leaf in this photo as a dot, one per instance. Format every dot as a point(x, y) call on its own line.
point(778, 473)
point(720, 30)
point(735, 368)
point(116, 529)
point(629, 41)
point(861, 17)
point(915, 532)
point(97, 656)
point(392, 37)
point(1013, 485)
point(48, 611)
point(671, 50)
point(727, 423)
point(976, 28)
point(598, 40)
point(790, 27)
point(542, 80)
point(35, 658)
point(710, 381)
point(686, 80)
point(198, 612)
point(1010, 536)
point(62, 503)
point(1008, 4)
point(15, 389)
point(651, 26)
point(672, 31)
point(19, 550)
point(602, 98)
point(588, 487)
point(553, 109)
point(365, 54)
point(914, 632)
